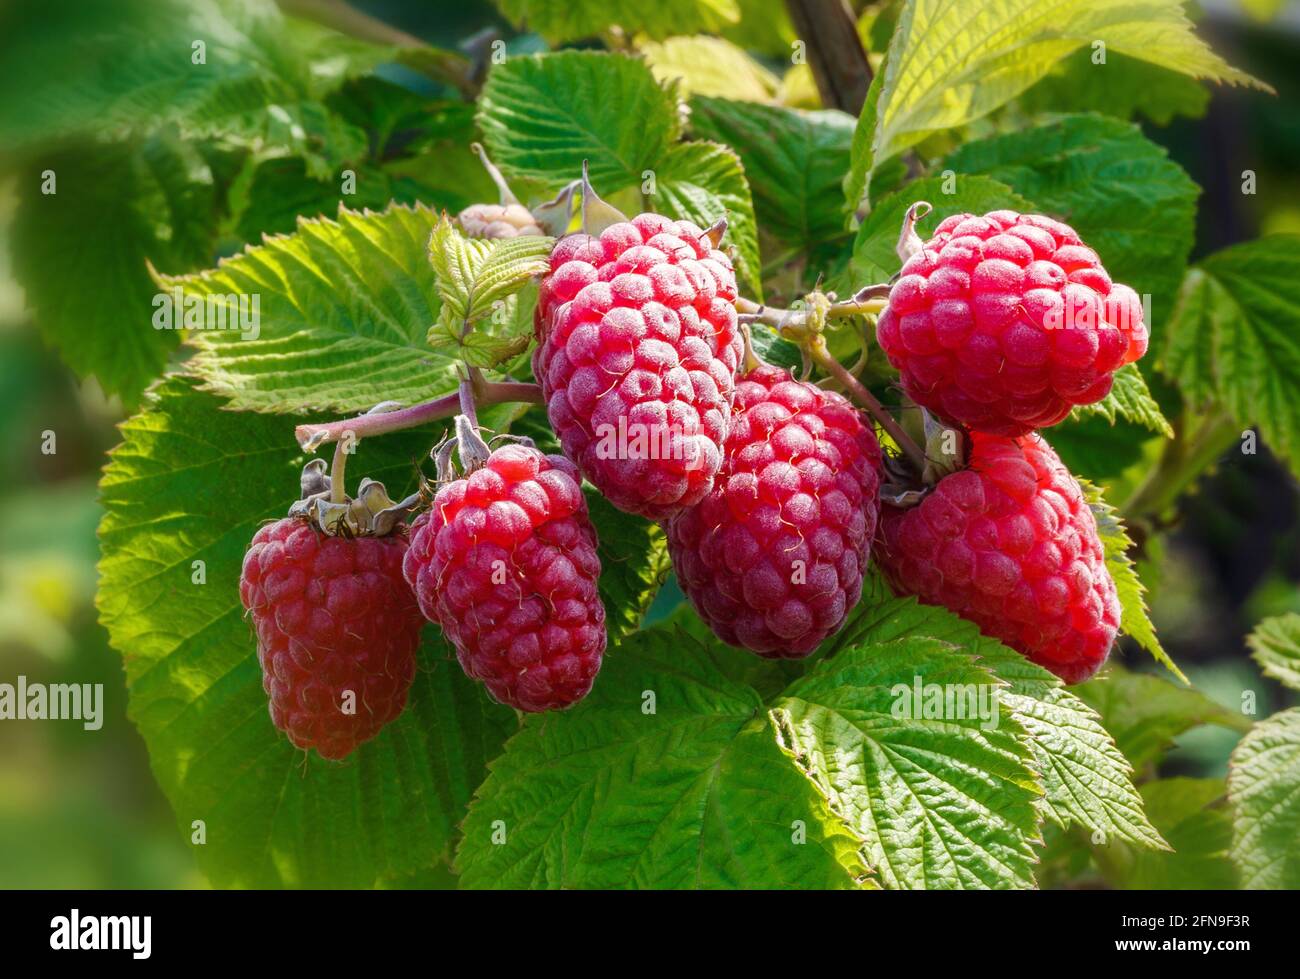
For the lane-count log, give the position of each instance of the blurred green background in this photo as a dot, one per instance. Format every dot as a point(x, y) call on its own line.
point(80, 808)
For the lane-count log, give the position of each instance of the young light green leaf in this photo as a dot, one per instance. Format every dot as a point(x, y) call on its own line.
point(702, 182)
point(183, 496)
point(1085, 778)
point(543, 115)
point(342, 312)
point(1275, 644)
point(1135, 619)
point(704, 65)
point(1133, 205)
point(947, 67)
point(651, 782)
point(480, 283)
point(944, 801)
point(1145, 713)
point(575, 20)
point(1235, 338)
point(1264, 788)
point(475, 274)
point(794, 162)
point(1130, 399)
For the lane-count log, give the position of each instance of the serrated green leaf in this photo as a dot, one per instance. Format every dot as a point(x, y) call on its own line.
point(874, 257)
point(702, 182)
point(794, 162)
point(542, 115)
point(1275, 644)
point(1135, 619)
point(704, 65)
point(1145, 713)
point(945, 802)
point(575, 20)
point(687, 789)
point(1130, 399)
point(1133, 205)
point(952, 63)
point(345, 308)
point(1264, 788)
point(192, 482)
point(1234, 338)
point(1085, 778)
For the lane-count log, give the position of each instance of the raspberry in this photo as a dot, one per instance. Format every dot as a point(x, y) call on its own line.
point(1005, 322)
point(333, 615)
point(1011, 544)
point(498, 221)
point(505, 561)
point(637, 356)
point(772, 558)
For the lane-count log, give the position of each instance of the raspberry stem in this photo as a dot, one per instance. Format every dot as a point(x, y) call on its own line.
point(312, 437)
point(823, 358)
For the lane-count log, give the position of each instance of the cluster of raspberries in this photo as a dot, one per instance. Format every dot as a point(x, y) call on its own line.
point(768, 487)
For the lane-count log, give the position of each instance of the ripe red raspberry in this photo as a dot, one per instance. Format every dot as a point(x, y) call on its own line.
point(637, 356)
point(772, 558)
point(505, 561)
point(333, 615)
point(1005, 322)
point(1011, 544)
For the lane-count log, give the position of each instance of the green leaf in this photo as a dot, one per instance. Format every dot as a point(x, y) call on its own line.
point(109, 201)
point(1122, 86)
point(949, 64)
point(1264, 788)
point(478, 282)
point(345, 308)
point(687, 789)
point(874, 257)
point(633, 563)
point(702, 182)
point(192, 482)
point(944, 802)
point(1098, 450)
point(1235, 338)
point(1130, 399)
point(131, 66)
point(1145, 713)
point(1085, 777)
point(705, 65)
point(862, 159)
point(1135, 619)
point(542, 115)
point(794, 162)
point(575, 20)
point(1133, 205)
point(1191, 814)
point(1275, 644)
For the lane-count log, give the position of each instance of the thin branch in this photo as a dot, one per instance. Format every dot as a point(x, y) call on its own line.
point(312, 437)
point(835, 53)
point(824, 359)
